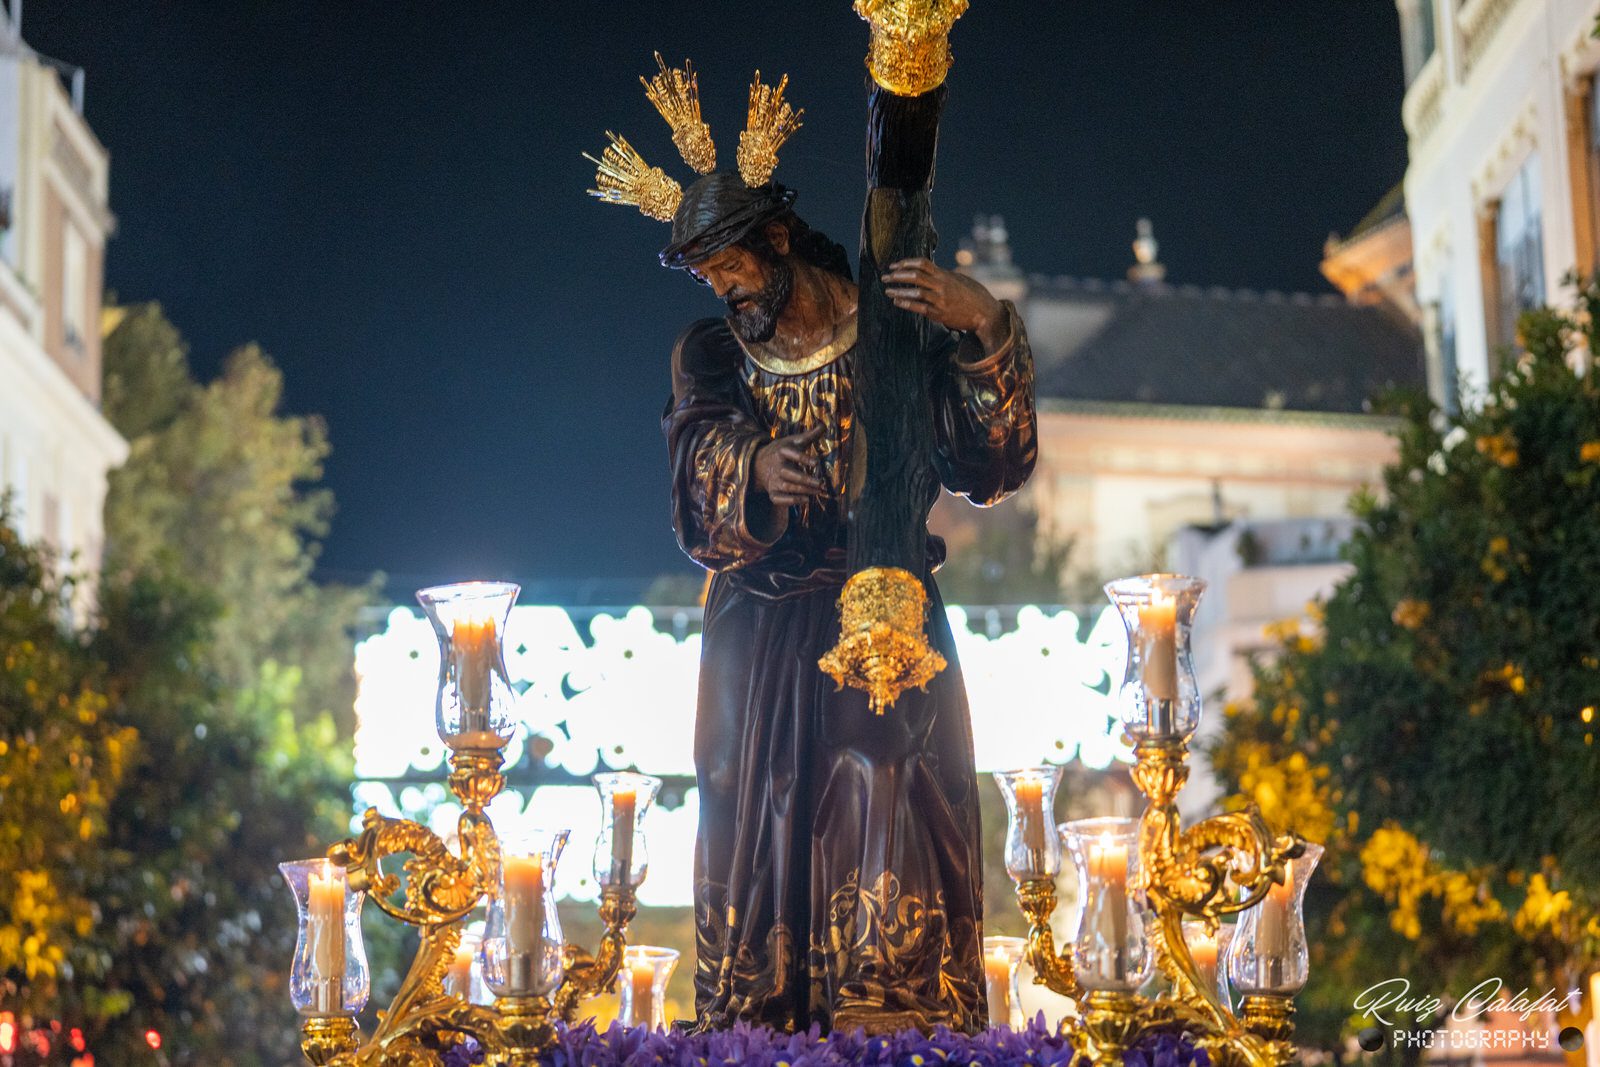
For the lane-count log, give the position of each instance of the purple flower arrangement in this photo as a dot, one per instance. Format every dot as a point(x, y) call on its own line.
point(1036, 1045)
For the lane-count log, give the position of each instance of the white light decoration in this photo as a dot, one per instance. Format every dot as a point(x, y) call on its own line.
point(1040, 692)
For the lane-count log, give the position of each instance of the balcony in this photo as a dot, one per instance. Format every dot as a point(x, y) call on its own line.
point(1477, 22)
point(1424, 101)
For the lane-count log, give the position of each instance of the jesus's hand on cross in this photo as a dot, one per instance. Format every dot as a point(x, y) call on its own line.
point(953, 300)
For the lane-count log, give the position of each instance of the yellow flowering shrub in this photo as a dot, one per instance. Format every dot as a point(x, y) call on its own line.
point(1439, 729)
point(1400, 869)
point(61, 762)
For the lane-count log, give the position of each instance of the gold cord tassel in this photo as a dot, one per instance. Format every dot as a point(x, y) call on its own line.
point(883, 646)
point(771, 122)
point(625, 178)
point(676, 94)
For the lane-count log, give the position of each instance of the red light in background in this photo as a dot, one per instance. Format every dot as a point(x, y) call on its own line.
point(8, 1033)
point(76, 1036)
point(152, 1038)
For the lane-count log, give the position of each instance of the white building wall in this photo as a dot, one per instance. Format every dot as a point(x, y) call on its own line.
point(1493, 93)
point(56, 447)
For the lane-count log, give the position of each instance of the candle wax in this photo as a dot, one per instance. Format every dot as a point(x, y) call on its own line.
point(1030, 812)
point(524, 903)
point(1158, 628)
point(623, 805)
point(641, 986)
point(458, 979)
point(1204, 951)
point(1108, 865)
point(997, 975)
point(325, 929)
point(1272, 927)
point(474, 644)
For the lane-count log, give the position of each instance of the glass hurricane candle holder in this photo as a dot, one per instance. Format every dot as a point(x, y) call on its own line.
point(1160, 696)
point(1225, 934)
point(1110, 952)
point(522, 936)
point(1033, 850)
point(621, 857)
point(643, 985)
point(1268, 956)
point(475, 702)
point(329, 975)
point(1002, 960)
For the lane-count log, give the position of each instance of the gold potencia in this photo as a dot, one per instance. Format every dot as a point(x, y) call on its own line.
point(623, 176)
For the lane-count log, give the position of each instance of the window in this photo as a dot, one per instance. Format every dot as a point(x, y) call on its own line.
point(1425, 29)
point(50, 530)
point(1587, 185)
point(74, 287)
point(1518, 251)
point(1441, 338)
point(1418, 36)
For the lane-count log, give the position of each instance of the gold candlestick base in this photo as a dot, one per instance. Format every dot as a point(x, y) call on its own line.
point(322, 1037)
point(527, 1028)
point(1111, 1022)
point(1268, 1016)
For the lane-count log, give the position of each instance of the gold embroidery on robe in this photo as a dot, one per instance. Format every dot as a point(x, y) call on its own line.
point(878, 959)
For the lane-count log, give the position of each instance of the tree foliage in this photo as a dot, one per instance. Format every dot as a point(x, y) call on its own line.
point(221, 487)
point(182, 742)
point(1439, 732)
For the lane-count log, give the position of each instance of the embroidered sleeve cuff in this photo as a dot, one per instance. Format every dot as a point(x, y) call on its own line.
point(987, 364)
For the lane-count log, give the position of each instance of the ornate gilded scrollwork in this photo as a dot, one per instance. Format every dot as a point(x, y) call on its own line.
point(440, 890)
point(1217, 867)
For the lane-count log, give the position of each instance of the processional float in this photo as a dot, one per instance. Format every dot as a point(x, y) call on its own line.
point(1152, 894)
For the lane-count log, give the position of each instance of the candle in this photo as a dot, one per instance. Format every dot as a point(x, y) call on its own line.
point(458, 979)
point(623, 804)
point(997, 975)
point(524, 904)
point(1108, 866)
point(641, 989)
point(475, 646)
point(1030, 813)
point(1204, 950)
point(1108, 862)
point(1272, 925)
point(1158, 630)
point(325, 928)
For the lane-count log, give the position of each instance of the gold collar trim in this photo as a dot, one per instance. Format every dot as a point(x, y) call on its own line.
point(763, 356)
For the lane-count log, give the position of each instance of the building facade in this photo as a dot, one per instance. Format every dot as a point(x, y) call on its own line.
point(1503, 183)
point(55, 445)
point(1215, 432)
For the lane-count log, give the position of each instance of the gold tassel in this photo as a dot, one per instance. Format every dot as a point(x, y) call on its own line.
point(883, 646)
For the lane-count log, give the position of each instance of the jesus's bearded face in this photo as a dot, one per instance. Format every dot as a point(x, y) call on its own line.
point(755, 281)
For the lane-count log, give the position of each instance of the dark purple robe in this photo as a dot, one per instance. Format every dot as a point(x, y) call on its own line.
point(837, 870)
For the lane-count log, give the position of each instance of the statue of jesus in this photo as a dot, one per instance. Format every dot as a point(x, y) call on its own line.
point(837, 871)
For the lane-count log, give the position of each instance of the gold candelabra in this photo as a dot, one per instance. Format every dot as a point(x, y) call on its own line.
point(1139, 880)
point(537, 976)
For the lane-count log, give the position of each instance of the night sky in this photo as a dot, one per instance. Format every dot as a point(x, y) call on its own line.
point(389, 198)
